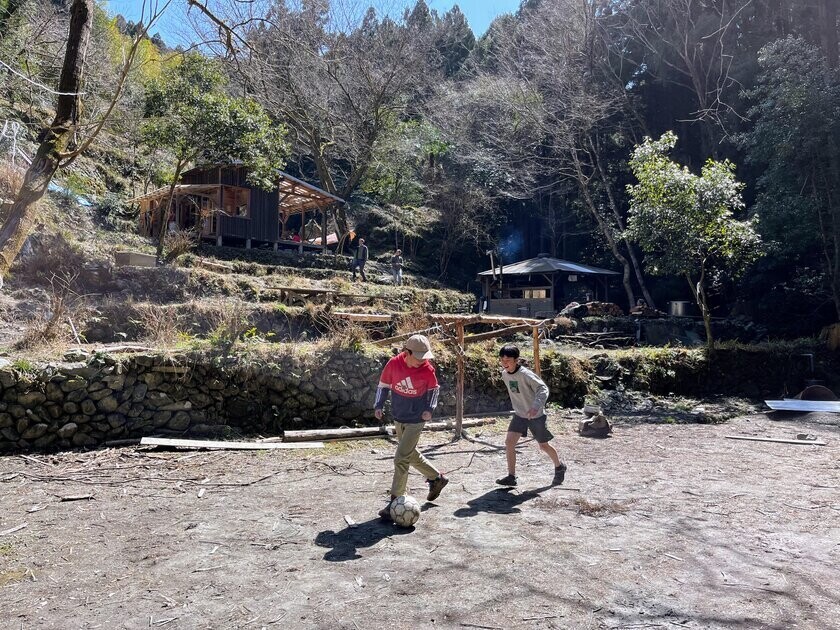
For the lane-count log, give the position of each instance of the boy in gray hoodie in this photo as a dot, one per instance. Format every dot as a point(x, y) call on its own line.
point(528, 395)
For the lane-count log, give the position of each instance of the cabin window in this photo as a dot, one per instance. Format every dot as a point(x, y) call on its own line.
point(235, 201)
point(537, 294)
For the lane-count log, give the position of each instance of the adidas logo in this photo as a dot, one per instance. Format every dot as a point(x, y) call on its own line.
point(405, 386)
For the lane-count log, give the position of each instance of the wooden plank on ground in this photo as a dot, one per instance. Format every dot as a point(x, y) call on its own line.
point(793, 404)
point(776, 440)
point(362, 433)
point(215, 444)
point(466, 320)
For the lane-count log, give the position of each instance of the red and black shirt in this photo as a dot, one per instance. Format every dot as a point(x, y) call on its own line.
point(415, 390)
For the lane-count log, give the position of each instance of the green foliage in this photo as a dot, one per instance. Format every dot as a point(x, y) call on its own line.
point(24, 366)
point(686, 223)
point(683, 221)
point(406, 151)
point(188, 113)
point(796, 142)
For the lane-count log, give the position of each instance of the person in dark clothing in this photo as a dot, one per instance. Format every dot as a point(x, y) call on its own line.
point(396, 267)
point(413, 385)
point(360, 259)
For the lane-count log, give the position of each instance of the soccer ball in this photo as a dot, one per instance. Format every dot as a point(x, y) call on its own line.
point(405, 511)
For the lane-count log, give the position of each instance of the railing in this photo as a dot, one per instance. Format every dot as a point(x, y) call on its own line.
point(238, 227)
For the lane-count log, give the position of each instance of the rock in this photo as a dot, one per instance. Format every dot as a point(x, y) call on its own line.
point(73, 384)
point(70, 408)
point(108, 404)
point(53, 410)
point(95, 386)
point(153, 379)
point(116, 420)
point(17, 411)
point(100, 394)
point(54, 393)
point(81, 439)
point(43, 442)
point(88, 407)
point(10, 434)
point(76, 355)
point(77, 396)
point(7, 378)
point(34, 432)
point(139, 392)
point(31, 399)
point(22, 425)
point(180, 421)
point(68, 430)
point(160, 418)
point(183, 405)
point(116, 382)
point(6, 420)
point(146, 360)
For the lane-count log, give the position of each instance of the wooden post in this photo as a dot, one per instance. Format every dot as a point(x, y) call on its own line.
point(536, 331)
point(459, 383)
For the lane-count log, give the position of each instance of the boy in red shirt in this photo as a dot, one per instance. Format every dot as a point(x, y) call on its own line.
point(412, 381)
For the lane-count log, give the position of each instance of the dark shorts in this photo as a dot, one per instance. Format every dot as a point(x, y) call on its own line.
point(537, 426)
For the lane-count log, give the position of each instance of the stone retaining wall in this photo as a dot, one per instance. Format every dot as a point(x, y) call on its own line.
point(85, 404)
point(103, 398)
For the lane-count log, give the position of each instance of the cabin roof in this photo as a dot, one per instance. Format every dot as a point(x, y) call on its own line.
point(547, 264)
point(296, 195)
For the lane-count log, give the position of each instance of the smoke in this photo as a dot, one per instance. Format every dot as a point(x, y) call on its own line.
point(511, 247)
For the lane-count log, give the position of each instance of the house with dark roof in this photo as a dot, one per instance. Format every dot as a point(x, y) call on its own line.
point(541, 286)
point(224, 207)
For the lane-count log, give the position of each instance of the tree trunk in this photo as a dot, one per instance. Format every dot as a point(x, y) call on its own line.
point(54, 140)
point(637, 268)
point(164, 211)
point(698, 290)
point(828, 30)
point(583, 186)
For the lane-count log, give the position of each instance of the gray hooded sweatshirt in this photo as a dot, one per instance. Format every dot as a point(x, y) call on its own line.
point(527, 391)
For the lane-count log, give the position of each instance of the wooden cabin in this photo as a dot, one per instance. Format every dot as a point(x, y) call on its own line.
point(541, 286)
point(225, 208)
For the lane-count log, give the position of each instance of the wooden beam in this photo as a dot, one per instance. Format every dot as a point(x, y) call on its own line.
point(248, 446)
point(364, 317)
point(396, 338)
point(459, 390)
point(498, 333)
point(361, 433)
point(446, 318)
point(777, 441)
point(536, 334)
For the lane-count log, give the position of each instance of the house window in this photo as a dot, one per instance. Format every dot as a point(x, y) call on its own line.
point(537, 294)
point(235, 201)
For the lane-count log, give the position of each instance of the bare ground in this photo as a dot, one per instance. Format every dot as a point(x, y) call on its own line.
point(663, 525)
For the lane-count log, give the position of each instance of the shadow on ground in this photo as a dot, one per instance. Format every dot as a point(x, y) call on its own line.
point(499, 501)
point(346, 543)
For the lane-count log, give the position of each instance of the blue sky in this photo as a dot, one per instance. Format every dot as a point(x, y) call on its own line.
point(171, 27)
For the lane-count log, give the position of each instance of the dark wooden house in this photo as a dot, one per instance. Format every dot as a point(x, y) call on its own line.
point(541, 286)
point(224, 207)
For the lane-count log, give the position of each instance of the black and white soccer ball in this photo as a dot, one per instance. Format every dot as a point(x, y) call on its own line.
point(405, 510)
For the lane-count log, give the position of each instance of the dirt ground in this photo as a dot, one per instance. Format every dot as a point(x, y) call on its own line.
point(662, 525)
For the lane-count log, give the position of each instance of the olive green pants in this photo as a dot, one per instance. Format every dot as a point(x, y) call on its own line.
point(408, 436)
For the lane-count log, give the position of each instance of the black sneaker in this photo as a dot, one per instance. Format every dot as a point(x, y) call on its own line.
point(559, 474)
point(435, 487)
point(385, 513)
point(509, 481)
